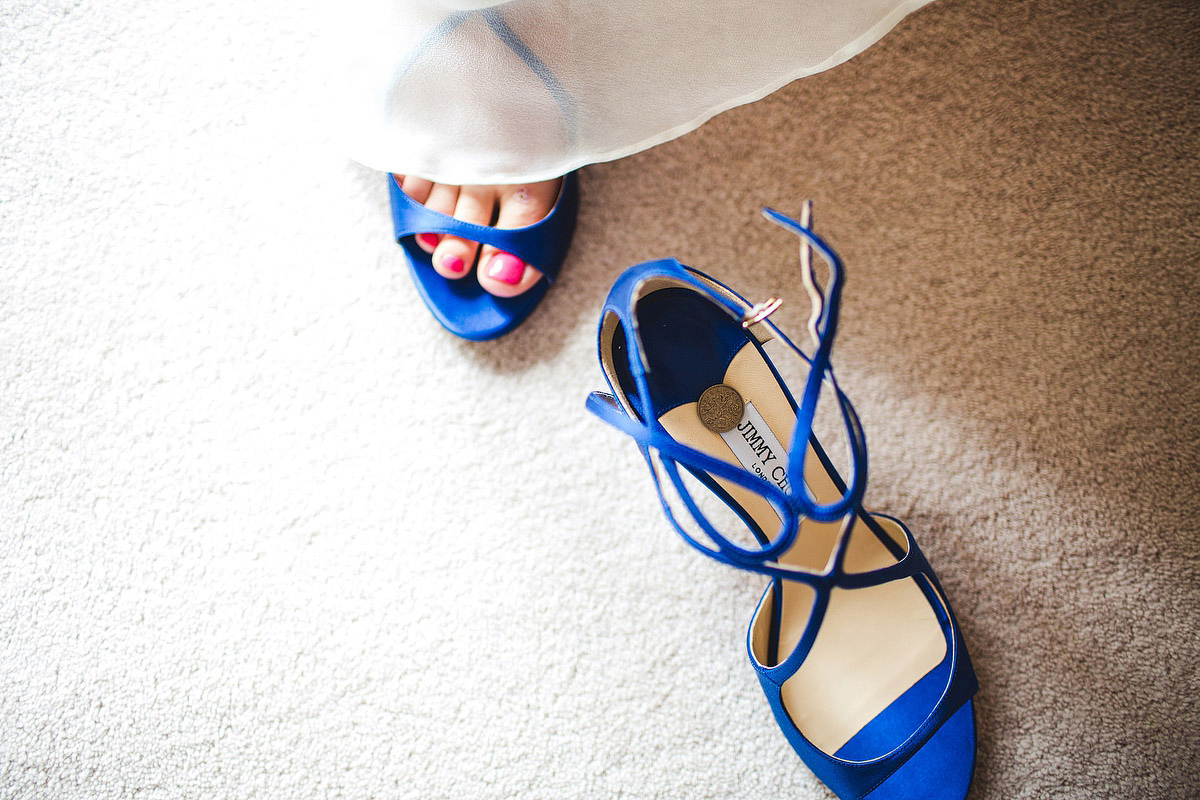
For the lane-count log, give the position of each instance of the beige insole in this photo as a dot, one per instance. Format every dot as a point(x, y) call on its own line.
point(875, 642)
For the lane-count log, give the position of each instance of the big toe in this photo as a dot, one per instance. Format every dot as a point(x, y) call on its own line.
point(503, 274)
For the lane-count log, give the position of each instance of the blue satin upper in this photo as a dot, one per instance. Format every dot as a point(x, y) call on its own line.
point(654, 379)
point(463, 306)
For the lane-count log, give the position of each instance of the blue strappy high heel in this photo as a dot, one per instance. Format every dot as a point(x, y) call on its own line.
point(463, 306)
point(854, 643)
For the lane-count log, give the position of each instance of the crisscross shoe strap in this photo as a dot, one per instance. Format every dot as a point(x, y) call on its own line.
point(790, 505)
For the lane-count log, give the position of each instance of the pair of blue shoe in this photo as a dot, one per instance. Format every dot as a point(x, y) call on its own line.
point(855, 645)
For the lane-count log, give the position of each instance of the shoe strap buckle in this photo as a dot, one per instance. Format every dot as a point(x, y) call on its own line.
point(816, 295)
point(760, 311)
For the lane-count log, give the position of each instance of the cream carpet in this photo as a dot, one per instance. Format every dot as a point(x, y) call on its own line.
point(267, 532)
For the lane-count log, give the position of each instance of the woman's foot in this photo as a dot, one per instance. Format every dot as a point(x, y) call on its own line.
point(499, 273)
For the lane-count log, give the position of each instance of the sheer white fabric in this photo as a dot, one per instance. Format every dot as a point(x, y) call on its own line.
point(469, 92)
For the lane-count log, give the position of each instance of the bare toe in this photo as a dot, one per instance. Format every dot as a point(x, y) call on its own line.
point(442, 199)
point(416, 188)
point(419, 189)
point(503, 274)
point(454, 256)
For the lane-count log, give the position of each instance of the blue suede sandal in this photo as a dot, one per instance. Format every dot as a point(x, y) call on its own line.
point(857, 649)
point(463, 306)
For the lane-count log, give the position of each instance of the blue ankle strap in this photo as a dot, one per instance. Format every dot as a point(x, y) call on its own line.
point(823, 329)
point(648, 433)
point(672, 454)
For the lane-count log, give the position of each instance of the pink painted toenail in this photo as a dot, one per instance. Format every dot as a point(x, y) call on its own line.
point(429, 239)
point(506, 269)
point(452, 262)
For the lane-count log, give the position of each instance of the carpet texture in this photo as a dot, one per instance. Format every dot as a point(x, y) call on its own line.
point(267, 531)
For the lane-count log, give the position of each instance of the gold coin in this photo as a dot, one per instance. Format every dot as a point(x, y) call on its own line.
point(720, 408)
